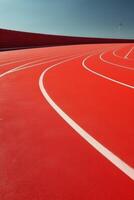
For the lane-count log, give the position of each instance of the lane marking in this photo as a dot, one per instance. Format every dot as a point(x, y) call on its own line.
point(115, 54)
point(111, 63)
point(40, 63)
point(126, 56)
point(103, 76)
point(115, 160)
point(15, 61)
point(25, 66)
point(22, 67)
point(130, 171)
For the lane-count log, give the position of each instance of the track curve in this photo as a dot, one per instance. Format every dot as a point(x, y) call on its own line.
point(45, 155)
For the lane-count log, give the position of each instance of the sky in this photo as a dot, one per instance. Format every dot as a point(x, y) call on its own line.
point(90, 18)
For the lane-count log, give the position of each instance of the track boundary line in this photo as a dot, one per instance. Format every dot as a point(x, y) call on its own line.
point(25, 66)
point(17, 61)
point(118, 65)
point(116, 161)
point(103, 76)
point(116, 55)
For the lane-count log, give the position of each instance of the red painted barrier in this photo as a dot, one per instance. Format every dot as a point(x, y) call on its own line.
point(17, 39)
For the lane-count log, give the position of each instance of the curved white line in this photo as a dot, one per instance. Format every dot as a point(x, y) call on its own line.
point(40, 63)
point(115, 54)
point(111, 63)
point(105, 77)
point(27, 65)
point(16, 61)
point(125, 168)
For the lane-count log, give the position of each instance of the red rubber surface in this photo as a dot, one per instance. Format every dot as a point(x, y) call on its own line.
point(41, 156)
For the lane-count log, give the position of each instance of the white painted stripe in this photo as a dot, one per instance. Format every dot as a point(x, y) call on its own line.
point(105, 77)
point(126, 56)
point(120, 164)
point(16, 61)
point(25, 66)
point(40, 63)
point(111, 63)
point(115, 54)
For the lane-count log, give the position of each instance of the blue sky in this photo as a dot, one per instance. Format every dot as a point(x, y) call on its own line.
point(96, 18)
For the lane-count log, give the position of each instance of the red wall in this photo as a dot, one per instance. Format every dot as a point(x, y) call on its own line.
point(15, 39)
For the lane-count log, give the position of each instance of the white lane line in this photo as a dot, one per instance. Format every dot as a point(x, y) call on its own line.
point(116, 55)
point(34, 65)
point(15, 61)
point(55, 59)
point(103, 76)
point(111, 63)
point(25, 66)
point(4, 62)
point(126, 56)
point(12, 60)
point(120, 164)
point(22, 67)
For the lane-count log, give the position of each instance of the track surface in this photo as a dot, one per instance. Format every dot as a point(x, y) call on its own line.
point(66, 123)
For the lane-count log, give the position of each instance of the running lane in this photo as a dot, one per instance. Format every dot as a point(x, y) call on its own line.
point(42, 156)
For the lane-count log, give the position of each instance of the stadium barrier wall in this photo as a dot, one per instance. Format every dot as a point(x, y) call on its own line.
point(10, 39)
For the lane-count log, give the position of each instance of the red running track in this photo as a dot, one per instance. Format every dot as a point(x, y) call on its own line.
point(66, 123)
